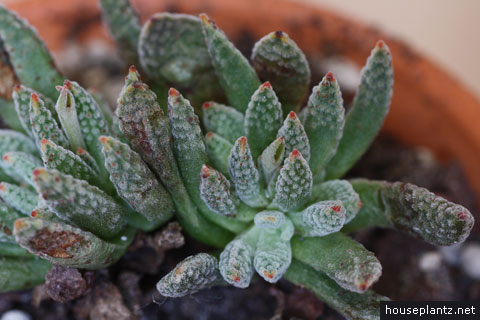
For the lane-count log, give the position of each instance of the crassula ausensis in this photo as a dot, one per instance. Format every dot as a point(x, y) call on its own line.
point(226, 147)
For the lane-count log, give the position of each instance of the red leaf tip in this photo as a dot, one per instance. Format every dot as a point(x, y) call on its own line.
point(330, 77)
point(67, 84)
point(337, 208)
point(37, 171)
point(34, 213)
point(207, 105)
point(132, 69)
point(102, 140)
point(17, 87)
point(380, 44)
point(172, 92)
point(266, 84)
point(43, 141)
point(292, 115)
point(462, 215)
point(210, 135)
point(295, 154)
point(34, 97)
point(2, 187)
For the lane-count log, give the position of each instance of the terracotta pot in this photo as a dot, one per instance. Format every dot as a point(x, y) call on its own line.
point(430, 108)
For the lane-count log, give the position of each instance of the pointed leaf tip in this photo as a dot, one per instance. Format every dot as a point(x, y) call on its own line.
point(292, 115)
point(67, 84)
point(34, 97)
point(329, 77)
point(207, 105)
point(266, 85)
point(380, 44)
point(172, 92)
point(295, 154)
point(206, 20)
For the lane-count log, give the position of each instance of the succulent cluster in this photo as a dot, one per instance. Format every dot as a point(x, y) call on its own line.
point(259, 177)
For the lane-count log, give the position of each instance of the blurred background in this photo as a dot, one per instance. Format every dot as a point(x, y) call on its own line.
point(448, 32)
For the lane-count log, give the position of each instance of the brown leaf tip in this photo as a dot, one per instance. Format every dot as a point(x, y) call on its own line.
point(206, 171)
point(210, 135)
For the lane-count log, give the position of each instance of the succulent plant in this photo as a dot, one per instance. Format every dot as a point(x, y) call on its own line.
point(238, 162)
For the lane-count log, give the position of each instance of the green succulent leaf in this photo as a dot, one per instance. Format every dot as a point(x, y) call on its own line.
point(368, 112)
point(124, 26)
point(43, 124)
point(103, 105)
point(272, 158)
point(92, 122)
point(352, 305)
point(218, 150)
point(67, 115)
point(191, 275)
point(319, 219)
point(263, 118)
point(223, 120)
point(22, 273)
point(412, 209)
point(21, 198)
point(22, 164)
point(338, 190)
point(28, 55)
point(236, 260)
point(66, 245)
point(8, 215)
point(277, 58)
point(273, 255)
point(67, 162)
point(245, 175)
point(348, 263)
point(11, 140)
point(293, 186)
point(237, 78)
point(135, 183)
point(75, 200)
point(295, 137)
point(191, 155)
point(21, 97)
point(172, 50)
point(215, 191)
point(323, 122)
